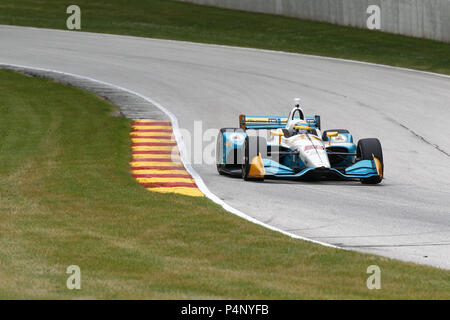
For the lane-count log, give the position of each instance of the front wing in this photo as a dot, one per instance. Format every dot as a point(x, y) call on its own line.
point(360, 170)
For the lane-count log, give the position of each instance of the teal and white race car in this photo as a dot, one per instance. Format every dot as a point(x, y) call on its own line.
point(295, 147)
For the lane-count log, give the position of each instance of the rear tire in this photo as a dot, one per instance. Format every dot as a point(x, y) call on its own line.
point(366, 149)
point(252, 147)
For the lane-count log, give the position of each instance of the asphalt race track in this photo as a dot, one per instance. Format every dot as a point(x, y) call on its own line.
point(406, 217)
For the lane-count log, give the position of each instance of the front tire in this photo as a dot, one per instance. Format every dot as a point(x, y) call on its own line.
point(252, 147)
point(366, 150)
point(230, 163)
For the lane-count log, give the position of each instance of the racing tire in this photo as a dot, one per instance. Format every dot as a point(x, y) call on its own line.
point(253, 145)
point(366, 149)
point(221, 167)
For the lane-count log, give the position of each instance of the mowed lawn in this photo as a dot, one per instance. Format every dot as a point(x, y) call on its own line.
point(185, 21)
point(67, 198)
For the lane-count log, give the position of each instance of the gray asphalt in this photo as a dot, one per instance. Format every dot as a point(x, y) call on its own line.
point(406, 217)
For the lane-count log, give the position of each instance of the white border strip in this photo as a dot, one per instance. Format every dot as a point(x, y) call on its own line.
point(182, 148)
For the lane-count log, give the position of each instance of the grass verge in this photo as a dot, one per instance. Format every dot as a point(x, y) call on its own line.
point(185, 21)
point(67, 198)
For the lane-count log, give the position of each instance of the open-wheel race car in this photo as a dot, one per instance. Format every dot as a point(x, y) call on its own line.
point(295, 147)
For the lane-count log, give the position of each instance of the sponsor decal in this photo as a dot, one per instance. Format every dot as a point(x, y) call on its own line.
point(339, 138)
point(300, 137)
point(310, 147)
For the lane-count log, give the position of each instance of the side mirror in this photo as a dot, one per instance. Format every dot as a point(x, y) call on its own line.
point(331, 134)
point(277, 134)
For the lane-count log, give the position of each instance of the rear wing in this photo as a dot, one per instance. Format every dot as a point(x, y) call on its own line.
point(272, 122)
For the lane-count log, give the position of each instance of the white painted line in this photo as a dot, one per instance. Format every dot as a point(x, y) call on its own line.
point(182, 148)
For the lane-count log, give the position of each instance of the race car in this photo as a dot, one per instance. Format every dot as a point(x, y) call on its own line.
point(295, 147)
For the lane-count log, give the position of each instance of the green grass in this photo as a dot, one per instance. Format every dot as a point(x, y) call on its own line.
point(67, 198)
point(184, 21)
